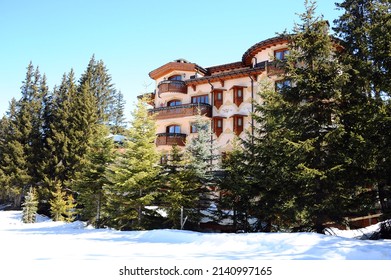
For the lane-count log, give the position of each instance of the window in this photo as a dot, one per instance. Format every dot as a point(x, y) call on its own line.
point(281, 85)
point(238, 124)
point(175, 78)
point(173, 129)
point(218, 98)
point(238, 95)
point(193, 128)
point(218, 125)
point(174, 103)
point(200, 99)
point(281, 54)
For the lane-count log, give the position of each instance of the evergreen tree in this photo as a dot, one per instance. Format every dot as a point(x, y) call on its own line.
point(303, 136)
point(202, 151)
point(92, 178)
point(202, 165)
point(30, 207)
point(131, 178)
point(270, 164)
point(117, 123)
point(180, 189)
point(237, 200)
point(365, 29)
point(14, 161)
point(62, 206)
point(70, 125)
point(99, 81)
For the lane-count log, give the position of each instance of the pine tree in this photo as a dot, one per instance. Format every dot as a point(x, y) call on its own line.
point(30, 207)
point(270, 165)
point(237, 201)
point(93, 177)
point(202, 151)
point(99, 81)
point(117, 123)
point(62, 206)
point(131, 178)
point(365, 29)
point(180, 189)
point(70, 125)
point(201, 165)
point(14, 162)
point(305, 151)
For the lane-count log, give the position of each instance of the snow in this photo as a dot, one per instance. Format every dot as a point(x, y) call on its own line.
point(48, 240)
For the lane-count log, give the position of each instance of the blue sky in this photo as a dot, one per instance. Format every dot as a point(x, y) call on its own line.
point(133, 37)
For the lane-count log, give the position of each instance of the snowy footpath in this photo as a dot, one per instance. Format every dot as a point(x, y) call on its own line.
point(48, 240)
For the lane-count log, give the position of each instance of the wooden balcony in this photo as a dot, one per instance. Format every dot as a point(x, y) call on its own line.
point(172, 86)
point(276, 67)
point(180, 111)
point(170, 139)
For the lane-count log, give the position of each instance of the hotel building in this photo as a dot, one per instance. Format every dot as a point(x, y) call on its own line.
point(222, 93)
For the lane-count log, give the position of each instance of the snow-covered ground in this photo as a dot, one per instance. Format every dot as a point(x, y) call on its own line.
point(48, 240)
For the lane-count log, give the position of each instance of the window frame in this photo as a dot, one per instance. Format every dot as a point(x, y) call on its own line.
point(197, 98)
point(175, 126)
point(284, 52)
point(218, 129)
point(236, 98)
point(238, 124)
point(218, 98)
point(174, 101)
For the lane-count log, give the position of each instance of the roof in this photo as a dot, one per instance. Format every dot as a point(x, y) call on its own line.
point(179, 65)
point(252, 51)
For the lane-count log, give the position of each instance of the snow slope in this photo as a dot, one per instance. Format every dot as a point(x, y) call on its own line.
point(48, 240)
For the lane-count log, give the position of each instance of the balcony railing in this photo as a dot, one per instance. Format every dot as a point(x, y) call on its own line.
point(276, 67)
point(172, 86)
point(180, 111)
point(170, 139)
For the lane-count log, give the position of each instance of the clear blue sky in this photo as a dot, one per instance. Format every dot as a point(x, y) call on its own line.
point(133, 37)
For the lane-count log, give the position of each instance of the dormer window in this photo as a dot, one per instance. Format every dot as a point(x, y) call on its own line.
point(281, 54)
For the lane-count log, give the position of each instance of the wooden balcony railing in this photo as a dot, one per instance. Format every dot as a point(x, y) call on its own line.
point(170, 139)
point(181, 111)
point(172, 86)
point(276, 67)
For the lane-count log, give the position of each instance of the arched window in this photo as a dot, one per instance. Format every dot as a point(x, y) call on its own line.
point(174, 103)
point(175, 78)
point(173, 129)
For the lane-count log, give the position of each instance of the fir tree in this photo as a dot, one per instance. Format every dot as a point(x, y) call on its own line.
point(237, 201)
point(303, 138)
point(117, 123)
point(202, 164)
point(131, 178)
point(99, 81)
point(202, 151)
point(180, 189)
point(62, 206)
point(30, 207)
point(14, 161)
point(93, 177)
point(70, 125)
point(365, 29)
